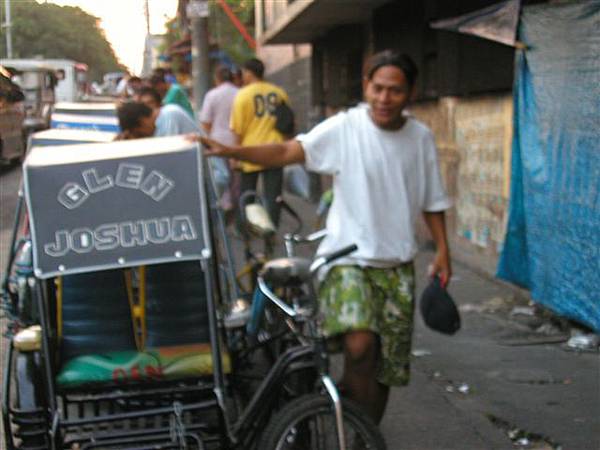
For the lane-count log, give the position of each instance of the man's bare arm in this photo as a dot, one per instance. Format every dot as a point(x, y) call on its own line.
point(267, 155)
point(441, 264)
point(207, 126)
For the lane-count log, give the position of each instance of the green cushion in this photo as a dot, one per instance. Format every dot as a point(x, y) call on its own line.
point(155, 364)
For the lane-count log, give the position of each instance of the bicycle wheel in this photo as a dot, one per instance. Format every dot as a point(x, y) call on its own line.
point(308, 423)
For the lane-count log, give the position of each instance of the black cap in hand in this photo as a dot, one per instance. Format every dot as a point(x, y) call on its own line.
point(438, 309)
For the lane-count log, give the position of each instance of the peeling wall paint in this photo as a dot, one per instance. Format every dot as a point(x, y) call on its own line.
point(474, 143)
point(482, 131)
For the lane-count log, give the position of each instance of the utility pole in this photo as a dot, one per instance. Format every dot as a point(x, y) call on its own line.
point(197, 12)
point(147, 63)
point(8, 27)
point(147, 14)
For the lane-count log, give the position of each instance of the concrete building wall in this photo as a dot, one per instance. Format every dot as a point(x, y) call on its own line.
point(474, 135)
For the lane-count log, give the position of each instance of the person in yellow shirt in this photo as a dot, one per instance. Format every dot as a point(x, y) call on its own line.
point(253, 121)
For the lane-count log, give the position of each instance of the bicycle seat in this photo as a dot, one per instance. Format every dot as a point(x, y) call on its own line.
point(287, 271)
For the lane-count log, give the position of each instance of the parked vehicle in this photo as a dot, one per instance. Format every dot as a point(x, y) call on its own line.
point(119, 289)
point(85, 116)
point(54, 137)
point(12, 115)
point(37, 84)
point(110, 82)
point(71, 76)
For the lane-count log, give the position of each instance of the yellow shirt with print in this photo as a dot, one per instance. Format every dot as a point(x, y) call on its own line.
point(252, 116)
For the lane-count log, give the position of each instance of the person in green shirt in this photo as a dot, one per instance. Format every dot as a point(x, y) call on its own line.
point(171, 93)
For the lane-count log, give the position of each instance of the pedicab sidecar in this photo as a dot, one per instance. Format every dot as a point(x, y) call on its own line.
point(113, 286)
point(68, 136)
point(118, 287)
point(85, 116)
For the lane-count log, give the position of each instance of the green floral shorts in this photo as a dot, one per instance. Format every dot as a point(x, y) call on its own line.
point(380, 300)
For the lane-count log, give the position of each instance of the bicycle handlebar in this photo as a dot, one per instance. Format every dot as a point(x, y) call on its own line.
point(266, 290)
point(314, 267)
point(292, 212)
point(341, 252)
point(326, 259)
point(312, 237)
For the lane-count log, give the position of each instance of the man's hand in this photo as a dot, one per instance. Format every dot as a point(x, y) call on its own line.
point(234, 164)
point(266, 155)
point(441, 263)
point(211, 148)
point(124, 135)
point(441, 266)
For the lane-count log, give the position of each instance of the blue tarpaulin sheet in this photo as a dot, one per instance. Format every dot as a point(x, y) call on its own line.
point(552, 244)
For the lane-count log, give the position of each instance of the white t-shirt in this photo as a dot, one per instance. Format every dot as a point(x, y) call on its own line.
point(173, 120)
point(216, 110)
point(382, 182)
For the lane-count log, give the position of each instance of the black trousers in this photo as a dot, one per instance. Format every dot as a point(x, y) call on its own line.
point(272, 181)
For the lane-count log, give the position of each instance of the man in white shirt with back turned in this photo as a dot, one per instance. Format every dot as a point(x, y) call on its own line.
point(215, 117)
point(385, 175)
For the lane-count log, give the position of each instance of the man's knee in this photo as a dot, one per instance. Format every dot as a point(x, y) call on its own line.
point(360, 347)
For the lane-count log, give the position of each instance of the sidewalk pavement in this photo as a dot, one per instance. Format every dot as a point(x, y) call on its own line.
point(496, 384)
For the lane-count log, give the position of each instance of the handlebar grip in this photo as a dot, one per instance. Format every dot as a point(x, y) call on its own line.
point(285, 205)
point(339, 253)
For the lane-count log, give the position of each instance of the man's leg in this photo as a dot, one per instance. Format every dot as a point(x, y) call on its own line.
point(361, 361)
point(248, 181)
point(272, 180)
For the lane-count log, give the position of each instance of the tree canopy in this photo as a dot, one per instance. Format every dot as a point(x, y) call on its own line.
point(222, 32)
point(64, 32)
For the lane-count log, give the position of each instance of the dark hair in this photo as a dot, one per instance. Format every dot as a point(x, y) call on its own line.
point(130, 114)
point(135, 80)
point(151, 92)
point(159, 71)
point(157, 78)
point(255, 66)
point(223, 74)
point(392, 58)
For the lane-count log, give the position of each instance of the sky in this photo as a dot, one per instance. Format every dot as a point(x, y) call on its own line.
point(125, 24)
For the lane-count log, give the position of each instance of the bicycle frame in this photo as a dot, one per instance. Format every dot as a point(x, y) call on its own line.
point(322, 358)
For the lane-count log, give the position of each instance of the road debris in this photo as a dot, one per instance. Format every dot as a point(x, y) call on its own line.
point(462, 388)
point(584, 342)
point(523, 310)
point(523, 439)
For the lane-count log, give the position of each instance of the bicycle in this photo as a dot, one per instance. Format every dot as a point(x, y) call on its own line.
point(300, 424)
point(264, 326)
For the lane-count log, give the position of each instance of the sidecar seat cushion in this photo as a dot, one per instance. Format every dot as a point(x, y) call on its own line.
point(157, 364)
point(94, 314)
point(175, 304)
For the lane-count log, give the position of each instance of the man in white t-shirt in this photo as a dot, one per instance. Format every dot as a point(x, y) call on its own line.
point(214, 117)
point(171, 119)
point(216, 108)
point(385, 175)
